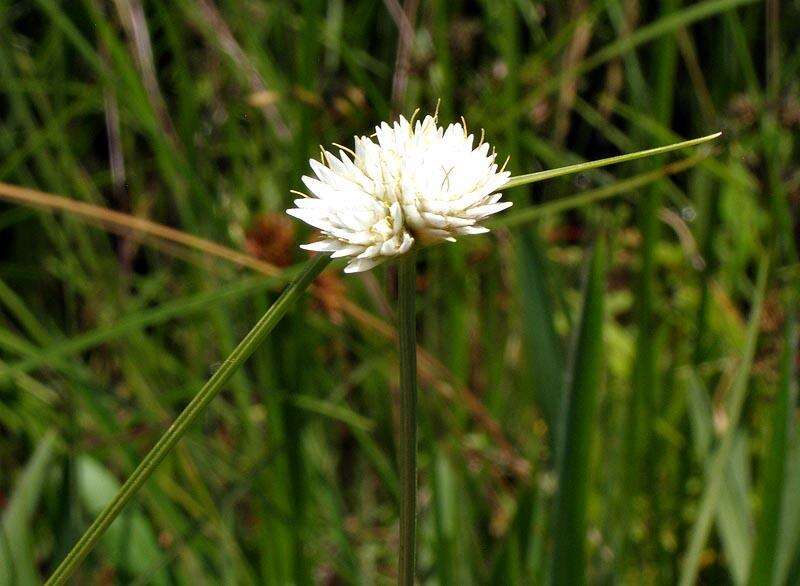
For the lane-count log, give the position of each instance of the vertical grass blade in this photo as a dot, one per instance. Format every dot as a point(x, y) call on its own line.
point(578, 419)
point(17, 559)
point(775, 464)
point(787, 554)
point(733, 511)
point(544, 347)
point(190, 413)
point(407, 452)
point(716, 471)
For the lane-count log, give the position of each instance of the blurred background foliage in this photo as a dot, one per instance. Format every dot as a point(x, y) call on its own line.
point(641, 348)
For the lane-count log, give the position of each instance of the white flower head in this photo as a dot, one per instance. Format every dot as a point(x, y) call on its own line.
point(415, 182)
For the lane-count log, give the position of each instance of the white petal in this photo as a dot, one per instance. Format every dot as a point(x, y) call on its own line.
point(361, 264)
point(471, 230)
point(372, 251)
point(487, 210)
point(408, 241)
point(347, 251)
point(322, 245)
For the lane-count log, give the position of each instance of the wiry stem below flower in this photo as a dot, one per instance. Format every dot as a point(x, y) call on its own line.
point(407, 448)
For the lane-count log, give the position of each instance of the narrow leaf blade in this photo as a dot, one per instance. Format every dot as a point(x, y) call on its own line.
point(580, 167)
point(577, 429)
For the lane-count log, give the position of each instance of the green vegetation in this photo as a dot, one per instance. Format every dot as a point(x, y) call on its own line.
point(608, 380)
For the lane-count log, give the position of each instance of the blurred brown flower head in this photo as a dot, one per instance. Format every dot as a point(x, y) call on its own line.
point(271, 238)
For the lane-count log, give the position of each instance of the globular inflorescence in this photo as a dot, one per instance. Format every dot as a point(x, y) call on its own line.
point(410, 184)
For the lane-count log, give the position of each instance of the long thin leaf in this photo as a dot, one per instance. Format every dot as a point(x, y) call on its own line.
point(17, 562)
point(544, 347)
point(577, 430)
point(775, 464)
point(733, 518)
point(139, 320)
point(584, 198)
point(716, 472)
point(580, 167)
point(190, 413)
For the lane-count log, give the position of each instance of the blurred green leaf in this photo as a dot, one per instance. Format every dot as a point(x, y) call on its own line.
point(776, 464)
point(715, 472)
point(130, 543)
point(545, 357)
point(578, 412)
point(17, 552)
point(733, 511)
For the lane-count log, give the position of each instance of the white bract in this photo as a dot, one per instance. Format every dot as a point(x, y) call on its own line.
point(413, 183)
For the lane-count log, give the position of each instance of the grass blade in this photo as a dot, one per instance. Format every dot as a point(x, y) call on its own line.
point(590, 196)
point(775, 464)
point(577, 429)
point(544, 346)
point(580, 167)
point(719, 463)
point(787, 554)
point(17, 564)
point(193, 410)
point(733, 511)
point(55, 352)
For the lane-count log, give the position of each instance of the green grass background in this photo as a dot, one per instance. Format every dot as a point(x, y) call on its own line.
point(608, 384)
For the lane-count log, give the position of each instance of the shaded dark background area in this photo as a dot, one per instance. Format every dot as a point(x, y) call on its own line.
point(201, 115)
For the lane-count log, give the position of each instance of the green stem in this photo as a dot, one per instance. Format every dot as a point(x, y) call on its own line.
point(407, 451)
point(580, 167)
point(176, 431)
point(583, 198)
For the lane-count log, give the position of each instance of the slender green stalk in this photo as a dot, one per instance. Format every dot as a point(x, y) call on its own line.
point(580, 167)
point(407, 451)
point(176, 431)
point(583, 198)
